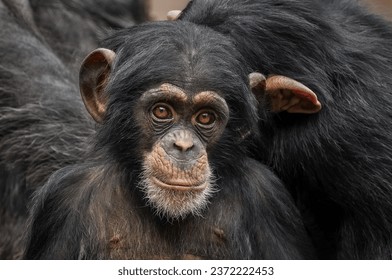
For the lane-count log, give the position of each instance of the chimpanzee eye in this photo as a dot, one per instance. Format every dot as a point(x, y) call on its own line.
point(162, 112)
point(206, 118)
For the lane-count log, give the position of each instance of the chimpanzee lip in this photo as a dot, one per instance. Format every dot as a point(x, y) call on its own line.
point(179, 187)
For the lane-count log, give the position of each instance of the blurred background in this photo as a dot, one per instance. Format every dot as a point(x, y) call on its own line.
point(159, 8)
point(383, 7)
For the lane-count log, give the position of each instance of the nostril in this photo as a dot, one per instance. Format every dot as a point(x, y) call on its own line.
point(183, 146)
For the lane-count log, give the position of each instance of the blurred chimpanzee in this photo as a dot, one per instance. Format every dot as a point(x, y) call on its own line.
point(337, 162)
point(169, 176)
point(42, 122)
point(73, 28)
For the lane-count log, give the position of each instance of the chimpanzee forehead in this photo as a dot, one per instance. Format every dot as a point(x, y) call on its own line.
point(172, 92)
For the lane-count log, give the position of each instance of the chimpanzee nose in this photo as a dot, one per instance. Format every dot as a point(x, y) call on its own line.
point(183, 145)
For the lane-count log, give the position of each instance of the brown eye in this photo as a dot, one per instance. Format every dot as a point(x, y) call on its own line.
point(162, 112)
point(205, 118)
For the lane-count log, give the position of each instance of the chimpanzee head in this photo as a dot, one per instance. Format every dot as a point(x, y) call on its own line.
point(174, 105)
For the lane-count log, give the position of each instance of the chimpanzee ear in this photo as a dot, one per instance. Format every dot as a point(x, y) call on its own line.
point(93, 79)
point(284, 94)
point(173, 15)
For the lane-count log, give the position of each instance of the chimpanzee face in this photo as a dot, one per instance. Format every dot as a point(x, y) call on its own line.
point(177, 177)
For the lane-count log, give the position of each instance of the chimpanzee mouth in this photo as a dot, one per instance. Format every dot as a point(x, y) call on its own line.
point(176, 198)
point(180, 185)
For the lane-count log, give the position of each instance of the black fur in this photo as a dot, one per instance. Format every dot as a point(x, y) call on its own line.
point(337, 163)
point(95, 210)
point(43, 124)
point(72, 28)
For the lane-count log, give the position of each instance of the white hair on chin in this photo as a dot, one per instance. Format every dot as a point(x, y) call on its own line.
point(173, 204)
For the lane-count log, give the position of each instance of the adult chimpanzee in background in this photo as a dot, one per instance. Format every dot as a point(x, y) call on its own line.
point(42, 122)
point(338, 162)
point(73, 28)
point(169, 176)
